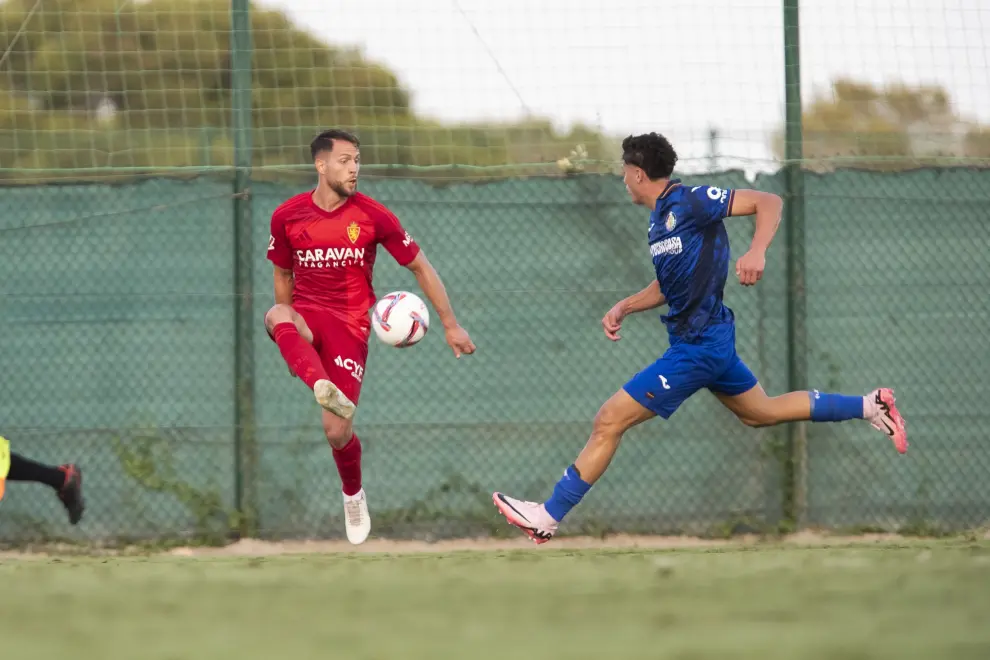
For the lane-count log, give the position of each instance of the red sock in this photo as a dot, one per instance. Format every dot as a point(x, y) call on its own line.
point(348, 462)
point(299, 354)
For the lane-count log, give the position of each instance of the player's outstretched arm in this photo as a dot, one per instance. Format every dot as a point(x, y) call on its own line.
point(649, 298)
point(767, 207)
point(431, 284)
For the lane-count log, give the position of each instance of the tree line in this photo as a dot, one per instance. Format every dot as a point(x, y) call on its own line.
point(104, 84)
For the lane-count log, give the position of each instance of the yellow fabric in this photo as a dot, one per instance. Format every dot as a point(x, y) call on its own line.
point(4, 464)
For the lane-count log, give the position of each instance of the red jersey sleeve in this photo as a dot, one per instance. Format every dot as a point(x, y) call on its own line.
point(396, 240)
point(279, 250)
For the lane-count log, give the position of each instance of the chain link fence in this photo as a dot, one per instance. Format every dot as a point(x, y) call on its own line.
point(120, 342)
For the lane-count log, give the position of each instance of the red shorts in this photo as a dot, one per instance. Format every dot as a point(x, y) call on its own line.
point(343, 349)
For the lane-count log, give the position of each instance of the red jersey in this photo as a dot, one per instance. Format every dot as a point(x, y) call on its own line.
point(332, 254)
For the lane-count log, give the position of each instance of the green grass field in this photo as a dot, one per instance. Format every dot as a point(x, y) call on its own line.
point(922, 599)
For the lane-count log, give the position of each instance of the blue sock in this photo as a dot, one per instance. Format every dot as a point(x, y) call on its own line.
point(835, 407)
point(566, 494)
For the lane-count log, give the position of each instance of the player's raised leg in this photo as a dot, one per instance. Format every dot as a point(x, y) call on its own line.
point(295, 340)
point(738, 390)
point(65, 480)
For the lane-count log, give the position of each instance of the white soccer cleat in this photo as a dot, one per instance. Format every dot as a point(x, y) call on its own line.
point(357, 520)
point(887, 419)
point(530, 517)
point(332, 399)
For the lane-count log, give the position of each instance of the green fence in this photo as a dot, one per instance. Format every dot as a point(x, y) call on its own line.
point(120, 348)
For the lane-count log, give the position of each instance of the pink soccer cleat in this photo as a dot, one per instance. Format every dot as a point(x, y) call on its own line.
point(887, 419)
point(530, 517)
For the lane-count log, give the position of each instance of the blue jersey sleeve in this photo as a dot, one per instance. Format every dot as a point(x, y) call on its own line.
point(709, 204)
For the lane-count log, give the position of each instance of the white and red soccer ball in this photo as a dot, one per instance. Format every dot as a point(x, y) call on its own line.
point(400, 319)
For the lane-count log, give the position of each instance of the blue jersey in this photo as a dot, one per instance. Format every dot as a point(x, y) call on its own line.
point(690, 251)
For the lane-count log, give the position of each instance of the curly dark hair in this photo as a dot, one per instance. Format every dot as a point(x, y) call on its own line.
point(324, 141)
point(652, 152)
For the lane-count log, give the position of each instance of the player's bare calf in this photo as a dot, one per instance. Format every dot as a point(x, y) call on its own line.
point(754, 408)
point(616, 416)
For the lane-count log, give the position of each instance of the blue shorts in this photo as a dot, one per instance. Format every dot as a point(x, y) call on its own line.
point(686, 368)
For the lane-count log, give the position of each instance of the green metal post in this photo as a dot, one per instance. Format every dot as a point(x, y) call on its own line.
point(795, 502)
point(245, 448)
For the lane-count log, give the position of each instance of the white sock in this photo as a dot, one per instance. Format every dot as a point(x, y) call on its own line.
point(869, 407)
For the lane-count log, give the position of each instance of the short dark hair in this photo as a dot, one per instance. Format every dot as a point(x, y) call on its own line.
point(652, 152)
point(324, 141)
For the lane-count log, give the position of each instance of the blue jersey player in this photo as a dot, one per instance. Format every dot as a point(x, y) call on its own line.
point(690, 252)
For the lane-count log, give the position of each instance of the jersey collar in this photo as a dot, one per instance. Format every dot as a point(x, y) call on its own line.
point(670, 185)
point(323, 212)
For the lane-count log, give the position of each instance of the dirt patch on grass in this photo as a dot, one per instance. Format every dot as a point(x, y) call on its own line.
point(253, 547)
point(260, 548)
point(256, 548)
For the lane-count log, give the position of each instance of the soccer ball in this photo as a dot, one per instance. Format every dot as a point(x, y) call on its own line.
point(400, 319)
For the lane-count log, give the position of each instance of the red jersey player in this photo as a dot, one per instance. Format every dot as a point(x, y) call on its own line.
point(323, 246)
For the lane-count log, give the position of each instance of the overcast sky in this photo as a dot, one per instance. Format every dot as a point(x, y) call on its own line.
point(638, 65)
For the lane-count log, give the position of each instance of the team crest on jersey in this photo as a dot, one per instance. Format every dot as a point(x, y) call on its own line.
point(353, 231)
point(671, 221)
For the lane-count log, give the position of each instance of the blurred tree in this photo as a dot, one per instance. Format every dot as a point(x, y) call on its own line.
point(104, 83)
point(897, 127)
